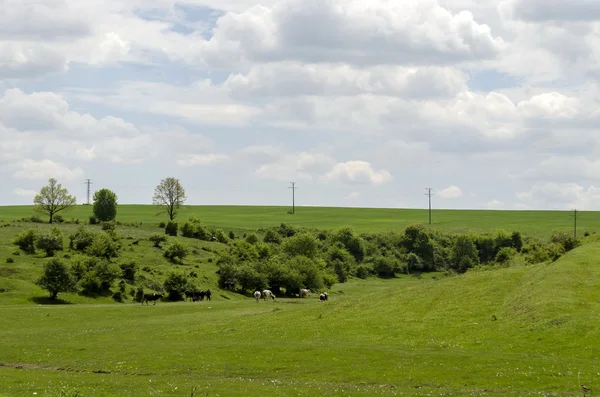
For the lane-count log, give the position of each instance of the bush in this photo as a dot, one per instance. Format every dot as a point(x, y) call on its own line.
point(252, 238)
point(363, 272)
point(36, 219)
point(566, 240)
point(81, 239)
point(26, 241)
point(109, 226)
point(176, 252)
point(103, 246)
point(171, 228)
point(505, 254)
point(93, 220)
point(162, 225)
point(10, 260)
point(221, 237)
point(51, 242)
point(118, 296)
point(157, 239)
point(128, 271)
point(176, 284)
point(139, 294)
point(58, 218)
point(272, 237)
point(231, 235)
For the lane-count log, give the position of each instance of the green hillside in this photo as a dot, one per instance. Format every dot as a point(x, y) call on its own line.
point(539, 223)
point(527, 330)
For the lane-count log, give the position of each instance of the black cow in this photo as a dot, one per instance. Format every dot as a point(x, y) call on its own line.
point(208, 294)
point(323, 296)
point(195, 295)
point(151, 297)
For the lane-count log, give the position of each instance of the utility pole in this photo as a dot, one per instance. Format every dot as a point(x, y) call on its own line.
point(293, 187)
point(429, 194)
point(88, 182)
point(574, 223)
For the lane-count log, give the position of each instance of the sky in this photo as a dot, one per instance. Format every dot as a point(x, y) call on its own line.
point(361, 103)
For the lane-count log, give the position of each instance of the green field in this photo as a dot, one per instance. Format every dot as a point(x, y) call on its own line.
point(510, 332)
point(532, 223)
point(515, 330)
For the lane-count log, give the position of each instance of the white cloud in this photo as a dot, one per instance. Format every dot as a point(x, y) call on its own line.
point(24, 192)
point(495, 205)
point(45, 169)
point(552, 195)
point(353, 196)
point(357, 172)
point(451, 192)
point(201, 159)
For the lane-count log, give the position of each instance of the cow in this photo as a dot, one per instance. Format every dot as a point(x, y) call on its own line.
point(208, 294)
point(304, 292)
point(151, 297)
point(195, 295)
point(268, 294)
point(323, 296)
point(257, 296)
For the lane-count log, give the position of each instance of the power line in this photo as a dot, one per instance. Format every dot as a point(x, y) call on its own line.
point(293, 187)
point(88, 182)
point(429, 194)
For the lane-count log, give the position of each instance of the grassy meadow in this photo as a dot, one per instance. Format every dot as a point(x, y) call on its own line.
point(519, 330)
point(531, 223)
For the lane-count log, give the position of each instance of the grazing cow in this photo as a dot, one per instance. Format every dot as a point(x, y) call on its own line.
point(195, 295)
point(257, 296)
point(323, 296)
point(208, 294)
point(151, 297)
point(304, 292)
point(268, 294)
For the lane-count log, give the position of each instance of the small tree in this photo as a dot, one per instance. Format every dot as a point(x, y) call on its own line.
point(170, 194)
point(56, 278)
point(105, 205)
point(26, 241)
point(52, 199)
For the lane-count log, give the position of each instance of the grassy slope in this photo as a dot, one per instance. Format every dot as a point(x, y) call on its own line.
point(362, 219)
point(402, 337)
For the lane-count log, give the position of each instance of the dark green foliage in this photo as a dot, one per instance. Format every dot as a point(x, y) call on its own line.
point(56, 278)
point(176, 284)
point(464, 255)
point(195, 229)
point(118, 296)
point(517, 241)
point(304, 244)
point(252, 238)
point(81, 239)
point(128, 271)
point(103, 246)
point(59, 219)
point(566, 240)
point(176, 252)
point(506, 254)
point(93, 220)
point(157, 239)
point(286, 231)
point(50, 242)
point(105, 205)
point(352, 243)
point(363, 271)
point(221, 236)
point(26, 241)
point(272, 237)
point(109, 226)
point(10, 260)
point(162, 225)
point(231, 235)
point(139, 294)
point(171, 229)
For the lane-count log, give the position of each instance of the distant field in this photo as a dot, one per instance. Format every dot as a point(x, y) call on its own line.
point(520, 331)
point(540, 223)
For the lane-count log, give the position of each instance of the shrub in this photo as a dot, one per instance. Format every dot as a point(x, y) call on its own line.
point(162, 225)
point(231, 235)
point(301, 244)
point(105, 205)
point(505, 254)
point(118, 296)
point(81, 239)
point(566, 240)
point(58, 218)
point(109, 226)
point(272, 237)
point(26, 241)
point(128, 271)
point(93, 220)
point(176, 284)
point(221, 237)
point(51, 242)
point(362, 271)
point(157, 239)
point(176, 252)
point(10, 260)
point(103, 246)
point(252, 238)
point(139, 294)
point(171, 228)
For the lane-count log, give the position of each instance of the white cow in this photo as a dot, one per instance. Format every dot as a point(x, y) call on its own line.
point(304, 292)
point(323, 296)
point(268, 294)
point(257, 296)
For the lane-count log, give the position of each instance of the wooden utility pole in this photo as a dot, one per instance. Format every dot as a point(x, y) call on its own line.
point(429, 194)
point(293, 187)
point(574, 223)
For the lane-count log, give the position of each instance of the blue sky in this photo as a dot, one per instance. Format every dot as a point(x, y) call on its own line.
point(360, 102)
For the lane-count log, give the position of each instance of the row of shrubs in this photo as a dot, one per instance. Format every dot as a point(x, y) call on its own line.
point(76, 221)
point(284, 258)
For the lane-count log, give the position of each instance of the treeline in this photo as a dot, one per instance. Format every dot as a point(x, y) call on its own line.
point(286, 259)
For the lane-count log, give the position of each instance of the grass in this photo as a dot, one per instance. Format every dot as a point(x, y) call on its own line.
point(516, 331)
point(510, 332)
point(532, 223)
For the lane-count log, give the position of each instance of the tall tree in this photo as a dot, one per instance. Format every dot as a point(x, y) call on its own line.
point(170, 194)
point(52, 199)
point(105, 205)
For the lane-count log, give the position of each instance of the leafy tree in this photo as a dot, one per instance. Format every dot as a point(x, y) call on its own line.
point(170, 194)
point(176, 252)
point(26, 241)
point(56, 278)
point(157, 239)
point(301, 244)
point(105, 205)
point(52, 199)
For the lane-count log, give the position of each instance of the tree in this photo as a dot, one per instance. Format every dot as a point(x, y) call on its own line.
point(105, 205)
point(170, 194)
point(53, 199)
point(56, 278)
